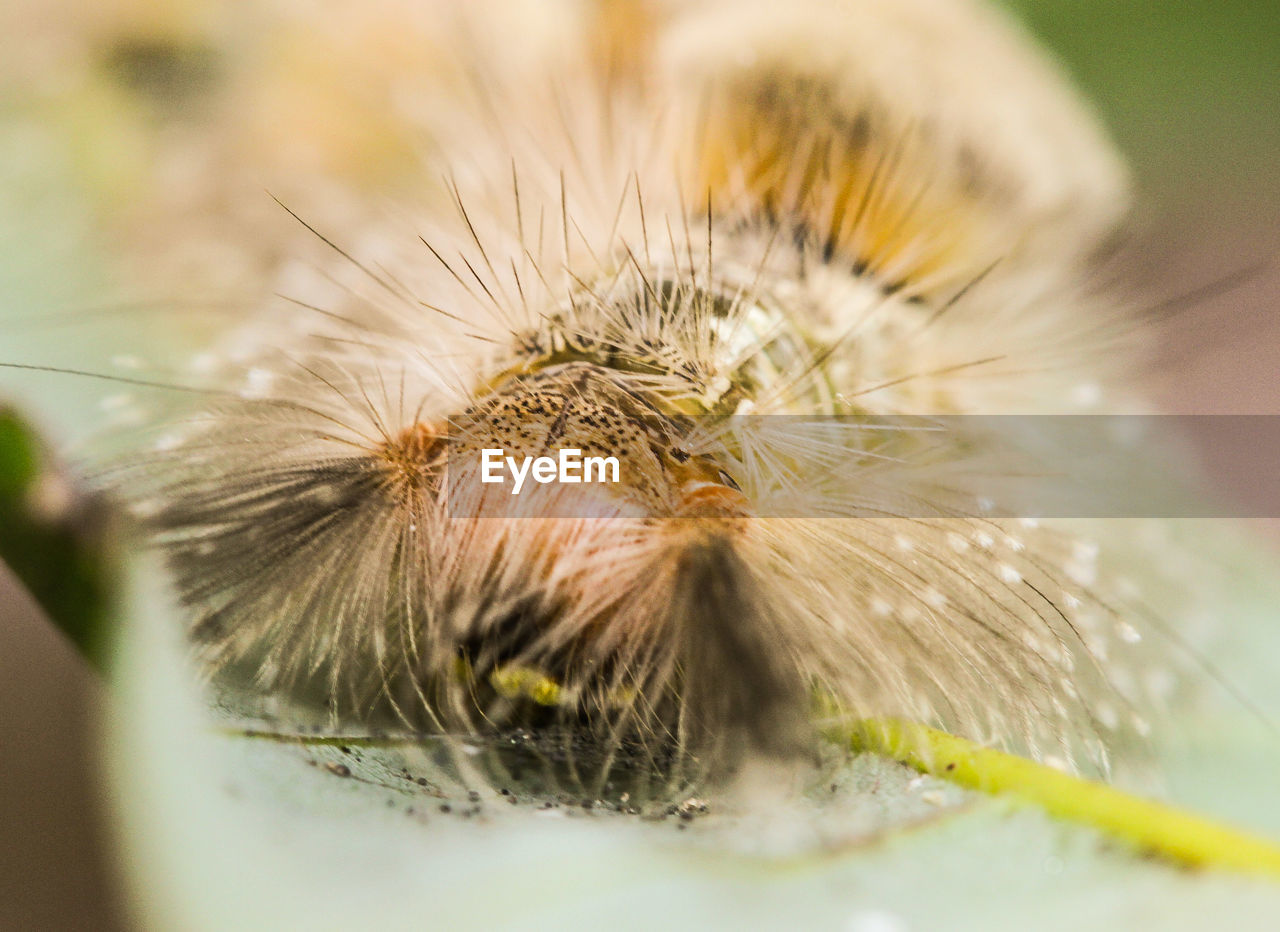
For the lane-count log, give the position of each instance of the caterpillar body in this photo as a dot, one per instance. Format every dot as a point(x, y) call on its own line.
point(703, 238)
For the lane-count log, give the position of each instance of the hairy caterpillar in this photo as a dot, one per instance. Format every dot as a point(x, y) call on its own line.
point(639, 217)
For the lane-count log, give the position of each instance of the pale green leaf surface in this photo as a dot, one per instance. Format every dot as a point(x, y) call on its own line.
point(226, 831)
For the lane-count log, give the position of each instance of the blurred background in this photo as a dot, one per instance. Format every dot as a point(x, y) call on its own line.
point(1190, 90)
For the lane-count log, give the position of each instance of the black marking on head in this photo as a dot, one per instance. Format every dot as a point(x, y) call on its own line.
point(741, 691)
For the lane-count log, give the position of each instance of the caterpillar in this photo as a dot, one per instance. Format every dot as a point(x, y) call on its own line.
point(707, 239)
